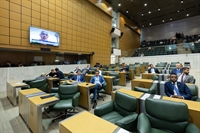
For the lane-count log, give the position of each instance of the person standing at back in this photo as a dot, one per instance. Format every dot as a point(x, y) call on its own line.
point(59, 74)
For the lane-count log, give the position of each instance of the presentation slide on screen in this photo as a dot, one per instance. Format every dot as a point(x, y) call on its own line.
point(45, 37)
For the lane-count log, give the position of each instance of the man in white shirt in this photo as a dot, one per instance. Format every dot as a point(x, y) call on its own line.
point(98, 70)
point(152, 69)
point(185, 77)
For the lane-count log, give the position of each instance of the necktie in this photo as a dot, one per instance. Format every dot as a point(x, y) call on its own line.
point(78, 78)
point(182, 77)
point(176, 90)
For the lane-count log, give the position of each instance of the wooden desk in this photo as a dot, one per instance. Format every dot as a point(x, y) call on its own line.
point(23, 101)
point(142, 69)
point(137, 68)
point(132, 74)
point(11, 91)
point(145, 83)
point(84, 100)
point(146, 68)
point(50, 83)
point(108, 79)
point(118, 69)
point(122, 78)
point(194, 109)
point(86, 122)
point(35, 105)
point(161, 77)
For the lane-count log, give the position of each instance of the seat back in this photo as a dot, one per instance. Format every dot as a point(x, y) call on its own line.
point(121, 101)
point(116, 75)
point(167, 115)
point(67, 91)
point(194, 91)
point(103, 73)
point(40, 84)
point(28, 81)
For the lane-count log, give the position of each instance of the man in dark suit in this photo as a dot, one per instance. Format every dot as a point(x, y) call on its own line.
point(59, 74)
point(79, 77)
point(125, 68)
point(176, 89)
point(99, 81)
point(177, 70)
point(152, 69)
point(185, 77)
point(85, 71)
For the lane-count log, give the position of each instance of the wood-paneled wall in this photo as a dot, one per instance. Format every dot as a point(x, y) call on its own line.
point(130, 39)
point(83, 27)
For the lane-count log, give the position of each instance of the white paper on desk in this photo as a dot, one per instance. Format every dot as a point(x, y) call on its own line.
point(145, 96)
point(156, 97)
point(18, 83)
point(121, 130)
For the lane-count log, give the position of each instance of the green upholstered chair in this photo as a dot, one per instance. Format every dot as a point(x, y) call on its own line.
point(121, 112)
point(103, 73)
point(40, 84)
point(69, 98)
point(151, 90)
point(111, 69)
point(28, 83)
point(154, 77)
point(194, 92)
point(116, 79)
point(164, 116)
point(102, 91)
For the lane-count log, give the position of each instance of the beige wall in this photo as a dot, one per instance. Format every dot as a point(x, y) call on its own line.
point(130, 39)
point(83, 27)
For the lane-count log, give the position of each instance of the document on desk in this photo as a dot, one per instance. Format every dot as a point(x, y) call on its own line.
point(145, 96)
point(156, 97)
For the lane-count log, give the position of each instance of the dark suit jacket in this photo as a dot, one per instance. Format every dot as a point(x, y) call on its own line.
point(182, 87)
point(85, 71)
point(155, 69)
point(189, 79)
point(125, 68)
point(60, 75)
point(175, 70)
point(82, 78)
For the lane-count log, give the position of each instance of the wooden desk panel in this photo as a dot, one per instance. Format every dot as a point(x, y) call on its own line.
point(145, 83)
point(122, 78)
point(148, 75)
point(86, 122)
point(193, 106)
point(50, 83)
point(137, 71)
point(142, 69)
point(132, 74)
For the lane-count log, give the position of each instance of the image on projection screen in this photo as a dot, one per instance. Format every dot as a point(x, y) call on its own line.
point(44, 37)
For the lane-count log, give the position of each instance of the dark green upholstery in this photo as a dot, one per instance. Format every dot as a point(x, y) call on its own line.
point(194, 92)
point(111, 69)
point(103, 73)
point(119, 112)
point(69, 97)
point(151, 90)
point(165, 117)
point(102, 90)
point(154, 77)
point(116, 79)
point(40, 84)
point(28, 83)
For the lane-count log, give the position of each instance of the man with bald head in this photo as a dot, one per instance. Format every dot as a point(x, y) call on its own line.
point(178, 70)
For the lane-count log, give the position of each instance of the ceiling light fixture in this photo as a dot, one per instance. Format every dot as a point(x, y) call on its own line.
point(163, 20)
point(170, 18)
point(187, 15)
point(158, 9)
point(142, 14)
point(127, 11)
point(119, 4)
point(149, 12)
point(145, 4)
point(181, 1)
point(149, 23)
point(178, 11)
point(142, 25)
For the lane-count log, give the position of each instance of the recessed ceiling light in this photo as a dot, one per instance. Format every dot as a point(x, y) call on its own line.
point(119, 4)
point(145, 4)
point(178, 11)
point(127, 11)
point(170, 18)
point(181, 1)
point(158, 9)
point(187, 15)
point(142, 25)
point(149, 23)
point(163, 20)
point(149, 12)
point(142, 14)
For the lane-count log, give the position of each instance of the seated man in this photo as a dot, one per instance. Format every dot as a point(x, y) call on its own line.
point(88, 67)
point(177, 89)
point(185, 77)
point(52, 73)
point(76, 70)
point(177, 70)
point(42, 76)
point(79, 77)
point(152, 69)
point(98, 70)
point(125, 68)
point(59, 74)
point(85, 71)
point(99, 81)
